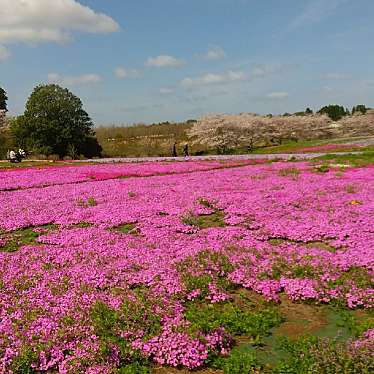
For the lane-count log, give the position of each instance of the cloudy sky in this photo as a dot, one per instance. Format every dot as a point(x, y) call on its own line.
point(155, 60)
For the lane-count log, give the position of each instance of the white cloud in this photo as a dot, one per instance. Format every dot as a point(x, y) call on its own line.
point(215, 53)
point(164, 61)
point(261, 71)
point(315, 11)
point(337, 76)
point(36, 21)
point(73, 80)
point(211, 78)
point(327, 89)
point(166, 90)
point(123, 73)
point(277, 95)
point(4, 53)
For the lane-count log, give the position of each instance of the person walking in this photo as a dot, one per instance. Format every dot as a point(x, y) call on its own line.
point(185, 150)
point(175, 154)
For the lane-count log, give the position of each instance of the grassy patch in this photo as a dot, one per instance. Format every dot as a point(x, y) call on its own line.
point(364, 159)
point(323, 330)
point(321, 169)
point(289, 172)
point(15, 240)
point(313, 355)
point(239, 361)
point(23, 362)
point(81, 225)
point(215, 219)
point(136, 314)
point(357, 275)
point(312, 244)
point(90, 202)
point(134, 368)
point(237, 320)
point(127, 228)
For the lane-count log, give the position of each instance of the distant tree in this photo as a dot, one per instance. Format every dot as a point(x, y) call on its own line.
point(300, 114)
point(308, 111)
point(335, 112)
point(359, 109)
point(54, 122)
point(3, 100)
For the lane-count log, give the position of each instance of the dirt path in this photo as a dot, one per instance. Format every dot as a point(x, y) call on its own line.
point(283, 156)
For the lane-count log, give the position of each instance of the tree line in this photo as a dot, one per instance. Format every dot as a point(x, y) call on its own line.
point(55, 123)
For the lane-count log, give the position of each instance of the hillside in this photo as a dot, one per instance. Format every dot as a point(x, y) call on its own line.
point(230, 133)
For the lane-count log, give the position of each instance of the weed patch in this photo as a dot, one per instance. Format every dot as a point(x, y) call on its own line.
point(293, 172)
point(90, 202)
point(14, 240)
point(127, 228)
point(215, 219)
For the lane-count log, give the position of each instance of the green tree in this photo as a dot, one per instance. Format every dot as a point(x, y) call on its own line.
point(335, 112)
point(54, 122)
point(308, 111)
point(359, 109)
point(3, 99)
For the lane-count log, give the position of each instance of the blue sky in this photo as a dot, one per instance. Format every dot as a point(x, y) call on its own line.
point(150, 61)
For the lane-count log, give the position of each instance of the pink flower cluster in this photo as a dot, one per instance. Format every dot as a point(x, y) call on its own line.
point(299, 234)
point(366, 340)
point(60, 175)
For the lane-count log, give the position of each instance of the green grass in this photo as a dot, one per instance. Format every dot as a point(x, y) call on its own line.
point(90, 202)
point(237, 320)
point(21, 237)
point(294, 147)
point(293, 172)
point(215, 219)
point(359, 160)
point(322, 331)
point(239, 361)
point(127, 228)
point(39, 164)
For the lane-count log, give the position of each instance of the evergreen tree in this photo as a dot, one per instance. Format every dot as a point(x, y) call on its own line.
point(359, 109)
point(335, 112)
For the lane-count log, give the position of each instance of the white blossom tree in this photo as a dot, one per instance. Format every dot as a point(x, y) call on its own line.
point(227, 131)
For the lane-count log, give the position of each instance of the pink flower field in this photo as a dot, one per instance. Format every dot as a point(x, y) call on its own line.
point(169, 264)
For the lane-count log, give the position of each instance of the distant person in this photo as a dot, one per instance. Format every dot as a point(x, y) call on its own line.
point(12, 156)
point(20, 155)
point(185, 150)
point(175, 154)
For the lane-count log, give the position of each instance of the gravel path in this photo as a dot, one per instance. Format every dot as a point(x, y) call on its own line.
point(284, 156)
